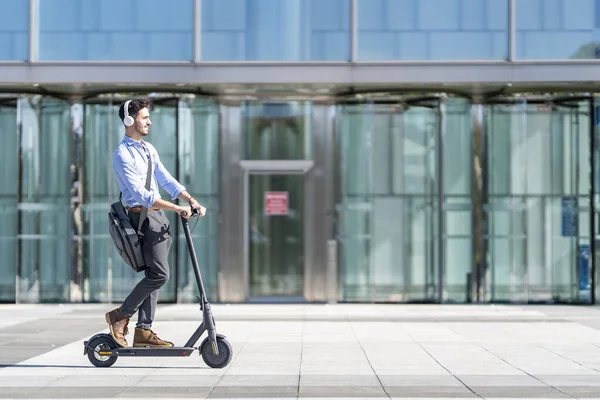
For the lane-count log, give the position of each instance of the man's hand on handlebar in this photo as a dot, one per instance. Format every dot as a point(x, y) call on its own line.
point(201, 209)
point(181, 209)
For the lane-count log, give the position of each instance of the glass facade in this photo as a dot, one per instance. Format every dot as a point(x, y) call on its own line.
point(433, 198)
point(557, 29)
point(275, 30)
point(432, 30)
point(299, 30)
point(14, 27)
point(433, 192)
point(121, 30)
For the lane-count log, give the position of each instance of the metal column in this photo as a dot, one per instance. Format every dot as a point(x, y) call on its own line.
point(231, 278)
point(441, 133)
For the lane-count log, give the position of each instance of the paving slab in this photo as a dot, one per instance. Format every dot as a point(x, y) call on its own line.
point(315, 351)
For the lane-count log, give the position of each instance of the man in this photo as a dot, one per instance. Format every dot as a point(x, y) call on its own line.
point(130, 165)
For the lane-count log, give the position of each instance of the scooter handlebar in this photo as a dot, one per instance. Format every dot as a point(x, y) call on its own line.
point(195, 213)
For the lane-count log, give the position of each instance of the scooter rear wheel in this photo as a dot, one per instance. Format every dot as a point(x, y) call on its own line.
point(216, 361)
point(101, 344)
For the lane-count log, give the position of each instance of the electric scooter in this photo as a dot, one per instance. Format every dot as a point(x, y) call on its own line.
point(216, 351)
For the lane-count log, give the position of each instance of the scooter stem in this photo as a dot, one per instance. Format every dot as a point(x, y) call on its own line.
point(192, 251)
point(209, 321)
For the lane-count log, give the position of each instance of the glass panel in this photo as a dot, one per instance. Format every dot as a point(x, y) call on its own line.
point(14, 27)
point(355, 209)
point(9, 153)
point(538, 169)
point(102, 133)
point(115, 30)
point(45, 237)
point(275, 30)
point(430, 29)
point(387, 213)
point(199, 173)
point(276, 131)
point(276, 235)
point(557, 29)
point(457, 207)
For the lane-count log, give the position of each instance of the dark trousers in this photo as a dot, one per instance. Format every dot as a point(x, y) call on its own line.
point(156, 244)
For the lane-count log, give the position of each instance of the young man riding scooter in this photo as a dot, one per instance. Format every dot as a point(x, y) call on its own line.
point(130, 165)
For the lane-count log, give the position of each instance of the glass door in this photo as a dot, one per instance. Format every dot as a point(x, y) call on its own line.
point(388, 215)
point(275, 236)
point(538, 184)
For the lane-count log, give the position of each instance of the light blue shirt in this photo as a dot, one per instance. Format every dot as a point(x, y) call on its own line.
point(130, 167)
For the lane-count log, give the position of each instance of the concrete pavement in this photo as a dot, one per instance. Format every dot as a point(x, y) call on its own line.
point(315, 351)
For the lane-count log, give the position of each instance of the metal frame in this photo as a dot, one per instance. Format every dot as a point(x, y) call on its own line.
point(353, 31)
point(33, 29)
point(593, 146)
point(511, 30)
point(197, 40)
point(434, 76)
point(441, 214)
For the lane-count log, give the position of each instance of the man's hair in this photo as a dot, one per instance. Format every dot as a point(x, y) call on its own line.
point(135, 105)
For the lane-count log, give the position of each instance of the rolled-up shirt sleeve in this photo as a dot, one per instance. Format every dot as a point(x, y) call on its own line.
point(165, 179)
point(124, 168)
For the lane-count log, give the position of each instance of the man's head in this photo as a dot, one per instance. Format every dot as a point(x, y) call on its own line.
point(138, 125)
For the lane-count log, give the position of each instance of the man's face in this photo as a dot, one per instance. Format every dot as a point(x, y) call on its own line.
point(142, 122)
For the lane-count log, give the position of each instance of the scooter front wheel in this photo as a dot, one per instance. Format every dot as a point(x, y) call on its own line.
point(213, 360)
point(97, 347)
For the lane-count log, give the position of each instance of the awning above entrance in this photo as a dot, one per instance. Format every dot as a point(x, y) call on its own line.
point(309, 79)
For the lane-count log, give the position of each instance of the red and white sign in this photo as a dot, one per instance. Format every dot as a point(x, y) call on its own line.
point(276, 203)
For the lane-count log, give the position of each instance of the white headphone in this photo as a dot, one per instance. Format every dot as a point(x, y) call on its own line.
point(127, 120)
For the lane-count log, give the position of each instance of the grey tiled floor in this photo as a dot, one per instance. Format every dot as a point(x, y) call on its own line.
point(315, 351)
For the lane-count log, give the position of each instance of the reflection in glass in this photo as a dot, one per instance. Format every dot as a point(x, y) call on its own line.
point(144, 30)
point(277, 131)
point(431, 29)
point(275, 30)
point(14, 26)
point(8, 198)
point(276, 235)
point(557, 30)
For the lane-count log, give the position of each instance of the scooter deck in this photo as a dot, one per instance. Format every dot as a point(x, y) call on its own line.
point(151, 351)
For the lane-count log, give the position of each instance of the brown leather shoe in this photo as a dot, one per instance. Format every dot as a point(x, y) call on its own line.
point(147, 338)
point(117, 322)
